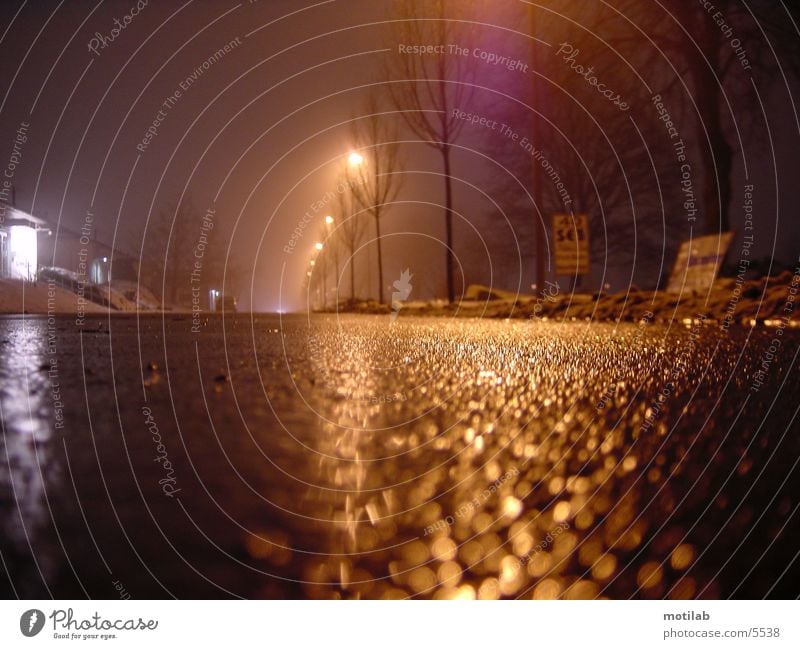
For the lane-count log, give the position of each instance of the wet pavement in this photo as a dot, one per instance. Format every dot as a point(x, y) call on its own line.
point(354, 457)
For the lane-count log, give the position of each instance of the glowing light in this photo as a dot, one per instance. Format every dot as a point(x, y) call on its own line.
point(449, 574)
point(355, 159)
point(319, 246)
point(649, 575)
point(489, 589)
point(581, 589)
point(510, 569)
point(682, 557)
point(443, 549)
point(22, 252)
point(422, 580)
point(561, 511)
point(604, 567)
point(465, 592)
point(547, 589)
point(329, 220)
point(512, 507)
point(540, 564)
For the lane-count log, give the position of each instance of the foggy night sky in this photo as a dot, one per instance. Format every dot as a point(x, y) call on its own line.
point(257, 128)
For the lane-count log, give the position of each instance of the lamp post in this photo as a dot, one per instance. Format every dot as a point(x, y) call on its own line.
point(356, 160)
point(329, 223)
point(319, 246)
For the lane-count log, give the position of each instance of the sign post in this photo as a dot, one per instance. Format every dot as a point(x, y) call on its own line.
point(571, 237)
point(698, 263)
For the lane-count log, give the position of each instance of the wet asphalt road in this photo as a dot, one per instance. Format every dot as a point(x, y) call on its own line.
point(353, 457)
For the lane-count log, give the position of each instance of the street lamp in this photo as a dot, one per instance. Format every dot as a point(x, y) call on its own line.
point(355, 159)
point(319, 247)
point(329, 223)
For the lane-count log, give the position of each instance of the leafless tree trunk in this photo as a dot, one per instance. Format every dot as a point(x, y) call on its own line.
point(349, 228)
point(426, 89)
point(375, 181)
point(168, 255)
point(583, 154)
point(717, 77)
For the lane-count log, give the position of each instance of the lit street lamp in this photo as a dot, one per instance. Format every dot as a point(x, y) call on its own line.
point(329, 223)
point(319, 246)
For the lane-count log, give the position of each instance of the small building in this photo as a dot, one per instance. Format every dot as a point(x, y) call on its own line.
point(82, 254)
point(19, 244)
point(28, 243)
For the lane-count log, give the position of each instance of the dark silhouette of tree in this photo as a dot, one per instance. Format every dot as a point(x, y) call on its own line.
point(350, 226)
point(167, 250)
point(172, 246)
point(426, 89)
point(674, 50)
point(723, 53)
point(376, 177)
point(575, 151)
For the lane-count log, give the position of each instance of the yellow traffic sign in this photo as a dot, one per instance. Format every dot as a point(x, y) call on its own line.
point(571, 243)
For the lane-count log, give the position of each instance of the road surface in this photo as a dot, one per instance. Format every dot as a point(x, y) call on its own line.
point(354, 457)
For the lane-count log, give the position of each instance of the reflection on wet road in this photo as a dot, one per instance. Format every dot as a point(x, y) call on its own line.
point(354, 457)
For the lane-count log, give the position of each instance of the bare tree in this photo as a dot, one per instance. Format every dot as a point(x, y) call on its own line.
point(612, 160)
point(179, 236)
point(167, 256)
point(333, 251)
point(575, 151)
point(426, 89)
point(374, 175)
point(349, 229)
point(722, 52)
point(720, 71)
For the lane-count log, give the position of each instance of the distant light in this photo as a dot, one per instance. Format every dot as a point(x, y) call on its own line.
point(308, 273)
point(318, 246)
point(22, 252)
point(313, 261)
point(105, 260)
point(329, 220)
point(355, 159)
